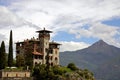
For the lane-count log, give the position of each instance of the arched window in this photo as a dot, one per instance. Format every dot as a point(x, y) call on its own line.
point(51, 57)
point(35, 63)
point(52, 64)
point(56, 58)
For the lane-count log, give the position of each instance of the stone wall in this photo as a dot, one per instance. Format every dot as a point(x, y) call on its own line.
point(18, 78)
point(15, 75)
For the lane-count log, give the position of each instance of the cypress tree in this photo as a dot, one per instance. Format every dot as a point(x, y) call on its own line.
point(2, 56)
point(10, 54)
point(0, 59)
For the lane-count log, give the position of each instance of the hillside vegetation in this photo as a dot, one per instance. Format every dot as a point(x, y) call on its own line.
point(71, 72)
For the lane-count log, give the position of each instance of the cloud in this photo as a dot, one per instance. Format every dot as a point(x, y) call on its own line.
point(2, 38)
point(8, 19)
point(71, 16)
point(72, 46)
point(100, 31)
point(62, 15)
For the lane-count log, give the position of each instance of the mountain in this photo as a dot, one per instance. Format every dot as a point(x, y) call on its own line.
point(101, 58)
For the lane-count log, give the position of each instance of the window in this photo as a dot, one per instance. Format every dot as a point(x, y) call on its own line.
point(51, 51)
point(35, 63)
point(35, 56)
point(56, 58)
point(41, 50)
point(18, 52)
point(52, 64)
point(51, 57)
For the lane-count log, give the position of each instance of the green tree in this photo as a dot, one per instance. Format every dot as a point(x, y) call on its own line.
point(72, 66)
point(10, 54)
point(39, 72)
point(2, 56)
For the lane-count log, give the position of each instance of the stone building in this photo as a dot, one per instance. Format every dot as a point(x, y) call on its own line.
point(40, 47)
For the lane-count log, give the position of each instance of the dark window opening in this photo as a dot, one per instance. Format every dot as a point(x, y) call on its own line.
point(51, 57)
point(52, 64)
point(18, 52)
point(35, 63)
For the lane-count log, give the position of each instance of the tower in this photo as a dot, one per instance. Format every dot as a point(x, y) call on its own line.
point(44, 37)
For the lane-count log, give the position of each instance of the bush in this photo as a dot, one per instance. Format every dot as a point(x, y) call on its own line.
point(72, 66)
point(58, 70)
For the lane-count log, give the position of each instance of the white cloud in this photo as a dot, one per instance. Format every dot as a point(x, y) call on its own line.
point(61, 15)
point(43, 13)
point(19, 34)
point(9, 19)
point(72, 46)
point(100, 31)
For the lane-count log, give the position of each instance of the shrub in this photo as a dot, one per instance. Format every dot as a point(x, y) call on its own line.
point(72, 66)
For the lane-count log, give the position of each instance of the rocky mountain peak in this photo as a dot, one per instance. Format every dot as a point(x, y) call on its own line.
point(100, 43)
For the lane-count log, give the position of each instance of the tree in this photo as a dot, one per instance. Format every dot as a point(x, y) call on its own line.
point(39, 72)
point(72, 66)
point(2, 56)
point(10, 54)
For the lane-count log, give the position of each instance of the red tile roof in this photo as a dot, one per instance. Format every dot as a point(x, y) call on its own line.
point(37, 53)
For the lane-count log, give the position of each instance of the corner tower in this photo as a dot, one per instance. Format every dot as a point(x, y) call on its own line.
point(44, 37)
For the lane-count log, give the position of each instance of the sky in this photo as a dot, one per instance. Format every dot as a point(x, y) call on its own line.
point(76, 24)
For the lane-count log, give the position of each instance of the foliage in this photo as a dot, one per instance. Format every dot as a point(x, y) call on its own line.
point(39, 72)
point(60, 70)
point(72, 66)
point(10, 55)
point(2, 56)
point(86, 74)
point(61, 73)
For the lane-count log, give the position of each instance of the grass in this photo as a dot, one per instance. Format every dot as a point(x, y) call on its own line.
point(13, 69)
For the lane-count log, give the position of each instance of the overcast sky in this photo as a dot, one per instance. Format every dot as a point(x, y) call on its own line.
point(76, 24)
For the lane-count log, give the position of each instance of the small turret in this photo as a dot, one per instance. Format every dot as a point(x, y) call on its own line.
point(44, 33)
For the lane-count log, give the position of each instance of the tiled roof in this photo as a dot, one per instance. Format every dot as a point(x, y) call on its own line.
point(54, 43)
point(37, 53)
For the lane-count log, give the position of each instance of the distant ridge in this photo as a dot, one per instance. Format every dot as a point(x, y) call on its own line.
point(98, 58)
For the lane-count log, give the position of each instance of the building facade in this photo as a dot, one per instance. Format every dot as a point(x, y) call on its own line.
point(40, 47)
